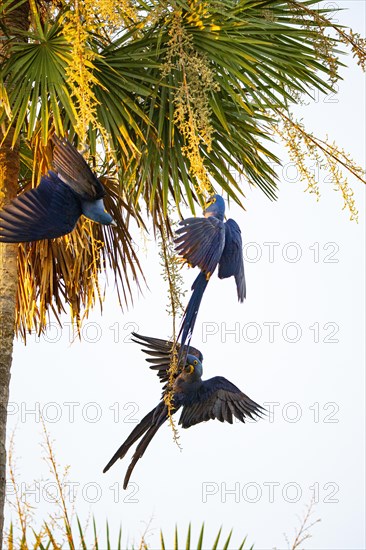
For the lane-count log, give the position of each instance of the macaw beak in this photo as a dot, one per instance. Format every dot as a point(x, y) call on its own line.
point(205, 206)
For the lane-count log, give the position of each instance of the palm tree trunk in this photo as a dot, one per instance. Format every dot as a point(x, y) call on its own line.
point(11, 23)
point(9, 171)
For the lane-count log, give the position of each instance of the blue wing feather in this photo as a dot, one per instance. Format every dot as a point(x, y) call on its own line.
point(201, 241)
point(46, 212)
point(231, 262)
point(219, 399)
point(160, 353)
point(75, 172)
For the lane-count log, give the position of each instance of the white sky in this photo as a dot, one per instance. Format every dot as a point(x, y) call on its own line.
point(272, 467)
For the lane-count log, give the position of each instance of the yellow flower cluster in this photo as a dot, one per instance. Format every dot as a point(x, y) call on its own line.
point(109, 14)
point(340, 181)
point(358, 45)
point(197, 13)
point(304, 147)
point(81, 19)
point(80, 71)
point(299, 150)
point(192, 112)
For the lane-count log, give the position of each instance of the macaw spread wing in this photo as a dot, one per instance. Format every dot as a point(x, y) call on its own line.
point(218, 399)
point(159, 352)
point(201, 241)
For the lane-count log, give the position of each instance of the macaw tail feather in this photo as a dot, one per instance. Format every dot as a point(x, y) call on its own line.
point(139, 430)
point(142, 446)
point(191, 312)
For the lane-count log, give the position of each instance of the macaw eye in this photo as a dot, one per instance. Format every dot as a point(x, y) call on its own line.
point(210, 201)
point(195, 362)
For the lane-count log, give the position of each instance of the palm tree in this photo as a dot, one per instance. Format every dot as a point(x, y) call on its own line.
point(16, 21)
point(178, 95)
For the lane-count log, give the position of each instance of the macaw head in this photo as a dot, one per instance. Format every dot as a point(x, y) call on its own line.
point(215, 206)
point(94, 210)
point(192, 370)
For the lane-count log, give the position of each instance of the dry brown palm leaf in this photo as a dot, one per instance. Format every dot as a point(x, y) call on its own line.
point(63, 273)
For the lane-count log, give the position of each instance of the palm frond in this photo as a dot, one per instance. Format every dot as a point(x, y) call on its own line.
point(35, 73)
point(7, 6)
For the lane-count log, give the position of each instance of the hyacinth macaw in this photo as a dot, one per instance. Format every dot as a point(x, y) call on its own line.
point(52, 208)
point(200, 400)
point(208, 242)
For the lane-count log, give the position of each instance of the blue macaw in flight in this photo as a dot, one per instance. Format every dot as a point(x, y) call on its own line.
point(208, 242)
point(200, 400)
point(52, 208)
